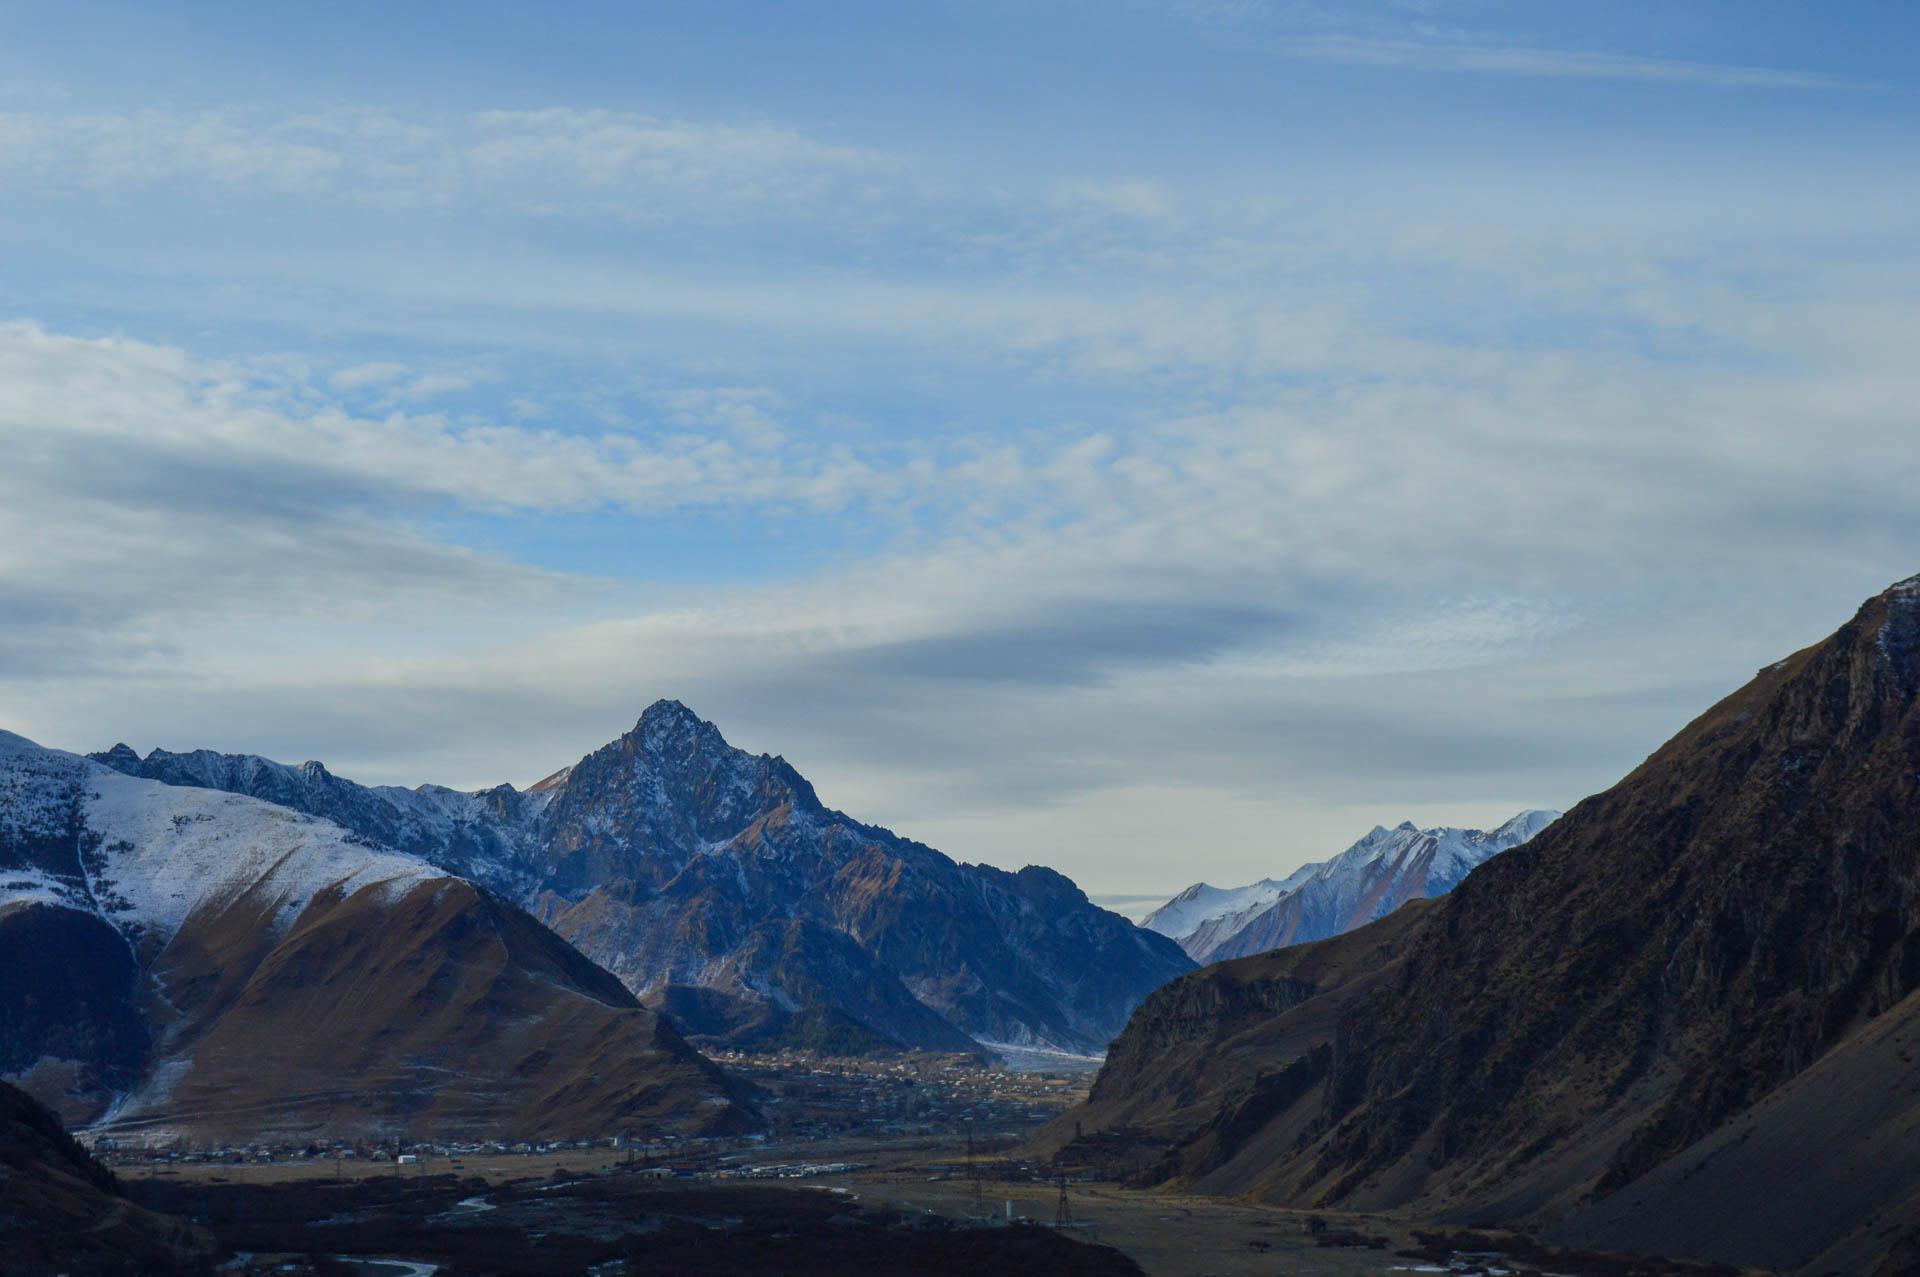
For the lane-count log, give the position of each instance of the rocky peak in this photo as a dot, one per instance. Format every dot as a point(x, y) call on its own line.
point(690, 755)
point(121, 757)
point(668, 725)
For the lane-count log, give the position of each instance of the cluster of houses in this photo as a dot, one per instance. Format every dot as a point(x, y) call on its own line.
point(804, 1097)
point(810, 1097)
point(120, 1151)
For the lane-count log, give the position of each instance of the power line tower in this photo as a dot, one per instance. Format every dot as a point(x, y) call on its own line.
point(1063, 1209)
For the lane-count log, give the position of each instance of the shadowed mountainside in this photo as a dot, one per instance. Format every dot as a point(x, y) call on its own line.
point(1685, 1019)
point(62, 1212)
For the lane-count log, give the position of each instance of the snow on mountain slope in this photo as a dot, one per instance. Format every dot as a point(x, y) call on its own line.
point(1202, 903)
point(171, 851)
point(481, 835)
point(678, 861)
point(1368, 880)
point(149, 854)
point(186, 961)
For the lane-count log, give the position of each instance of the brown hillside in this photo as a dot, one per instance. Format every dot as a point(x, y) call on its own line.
point(445, 1010)
point(1604, 1012)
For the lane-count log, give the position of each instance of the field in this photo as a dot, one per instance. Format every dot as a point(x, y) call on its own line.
point(1165, 1236)
point(817, 1197)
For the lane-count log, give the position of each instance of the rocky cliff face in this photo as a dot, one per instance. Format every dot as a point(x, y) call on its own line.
point(1637, 1028)
point(679, 862)
point(192, 961)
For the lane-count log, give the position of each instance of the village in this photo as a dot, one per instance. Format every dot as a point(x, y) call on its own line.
point(807, 1099)
point(919, 1143)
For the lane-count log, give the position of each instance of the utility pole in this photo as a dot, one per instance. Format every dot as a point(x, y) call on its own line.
point(1063, 1210)
point(973, 1173)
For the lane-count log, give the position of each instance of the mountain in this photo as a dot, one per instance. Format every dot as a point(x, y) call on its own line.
point(715, 882)
point(1683, 1020)
point(187, 960)
point(1368, 880)
point(63, 1212)
point(478, 836)
point(1203, 904)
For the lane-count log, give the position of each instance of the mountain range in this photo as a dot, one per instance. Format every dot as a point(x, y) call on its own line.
point(1367, 881)
point(715, 884)
point(182, 960)
point(1683, 1020)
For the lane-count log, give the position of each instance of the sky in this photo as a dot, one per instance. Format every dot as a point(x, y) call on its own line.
point(1158, 440)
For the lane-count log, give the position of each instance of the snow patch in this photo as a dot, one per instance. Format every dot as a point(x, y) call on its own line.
point(1382, 867)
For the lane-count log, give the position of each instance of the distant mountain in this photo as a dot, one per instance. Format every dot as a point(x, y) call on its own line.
point(715, 882)
point(63, 1212)
point(188, 960)
point(1684, 1020)
point(1368, 880)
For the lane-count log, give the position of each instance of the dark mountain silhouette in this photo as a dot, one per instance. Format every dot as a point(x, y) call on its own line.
point(62, 1212)
point(1684, 1019)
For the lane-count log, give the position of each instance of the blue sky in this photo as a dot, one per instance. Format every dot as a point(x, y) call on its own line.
point(1155, 439)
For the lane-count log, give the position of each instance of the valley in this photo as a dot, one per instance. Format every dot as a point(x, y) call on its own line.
point(1570, 1045)
point(585, 1206)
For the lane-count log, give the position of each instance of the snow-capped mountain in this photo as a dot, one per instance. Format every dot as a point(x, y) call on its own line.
point(214, 964)
point(715, 882)
point(478, 835)
point(1203, 903)
point(1368, 880)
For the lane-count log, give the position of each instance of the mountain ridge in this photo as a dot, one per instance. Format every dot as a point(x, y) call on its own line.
point(1696, 988)
point(187, 960)
point(1370, 879)
point(678, 861)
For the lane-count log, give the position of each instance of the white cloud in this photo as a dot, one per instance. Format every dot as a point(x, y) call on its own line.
point(171, 417)
point(545, 161)
point(1413, 35)
point(1262, 511)
point(1497, 59)
point(433, 384)
point(1135, 198)
point(1395, 597)
point(363, 375)
point(614, 150)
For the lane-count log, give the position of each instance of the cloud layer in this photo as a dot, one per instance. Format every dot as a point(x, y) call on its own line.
point(1165, 496)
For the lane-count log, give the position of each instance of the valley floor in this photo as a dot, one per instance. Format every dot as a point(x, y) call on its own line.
point(914, 1177)
point(1166, 1236)
point(879, 1137)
